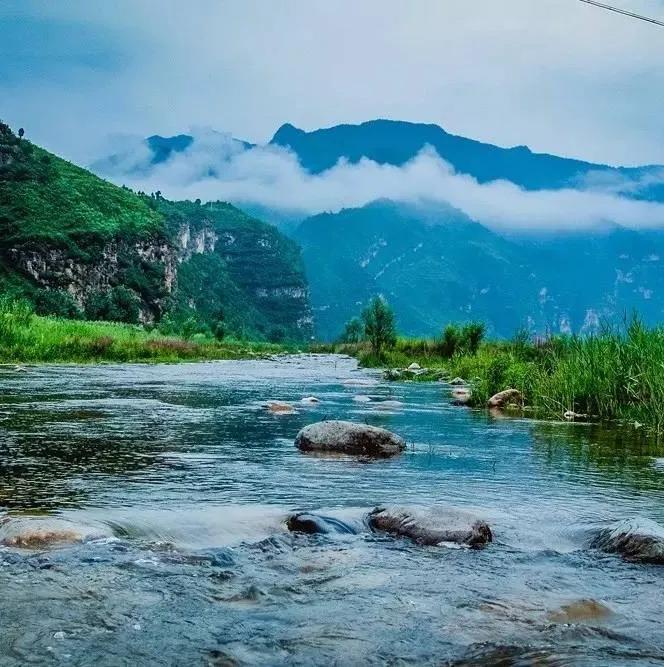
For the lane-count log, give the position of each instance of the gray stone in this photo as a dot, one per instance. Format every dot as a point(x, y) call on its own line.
point(312, 524)
point(636, 539)
point(432, 525)
point(348, 438)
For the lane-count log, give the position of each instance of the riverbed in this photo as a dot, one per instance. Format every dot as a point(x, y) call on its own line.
point(188, 479)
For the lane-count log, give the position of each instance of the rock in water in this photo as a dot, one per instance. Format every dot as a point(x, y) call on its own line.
point(637, 539)
point(37, 533)
point(432, 525)
point(348, 438)
point(280, 408)
point(314, 524)
point(310, 400)
point(580, 611)
point(457, 382)
point(502, 398)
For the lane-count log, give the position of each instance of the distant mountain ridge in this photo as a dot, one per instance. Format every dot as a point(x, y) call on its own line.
point(396, 142)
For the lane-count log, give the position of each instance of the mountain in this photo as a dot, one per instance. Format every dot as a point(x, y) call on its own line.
point(434, 263)
point(76, 245)
point(437, 266)
point(396, 142)
point(140, 159)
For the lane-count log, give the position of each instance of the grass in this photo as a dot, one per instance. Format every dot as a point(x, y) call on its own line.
point(28, 338)
point(614, 375)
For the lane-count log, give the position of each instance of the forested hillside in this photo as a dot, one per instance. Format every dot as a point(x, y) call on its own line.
point(78, 246)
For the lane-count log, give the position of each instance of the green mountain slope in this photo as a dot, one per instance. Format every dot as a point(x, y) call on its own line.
point(437, 266)
point(433, 265)
point(78, 246)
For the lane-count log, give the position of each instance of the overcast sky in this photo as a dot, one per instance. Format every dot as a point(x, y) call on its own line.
point(557, 75)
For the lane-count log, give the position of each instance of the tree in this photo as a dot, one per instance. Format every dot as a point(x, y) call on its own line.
point(21, 132)
point(379, 327)
point(353, 331)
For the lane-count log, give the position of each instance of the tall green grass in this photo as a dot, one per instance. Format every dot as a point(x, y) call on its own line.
point(617, 374)
point(28, 338)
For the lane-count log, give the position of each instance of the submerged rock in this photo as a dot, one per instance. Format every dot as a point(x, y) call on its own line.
point(26, 532)
point(348, 438)
point(360, 382)
point(637, 539)
point(580, 611)
point(432, 525)
point(502, 398)
point(311, 524)
point(280, 408)
point(362, 398)
point(388, 405)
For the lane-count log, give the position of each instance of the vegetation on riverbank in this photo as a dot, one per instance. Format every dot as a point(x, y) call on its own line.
point(28, 338)
point(617, 374)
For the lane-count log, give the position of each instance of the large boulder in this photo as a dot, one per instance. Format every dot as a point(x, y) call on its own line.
point(502, 398)
point(636, 539)
point(432, 525)
point(27, 532)
point(348, 438)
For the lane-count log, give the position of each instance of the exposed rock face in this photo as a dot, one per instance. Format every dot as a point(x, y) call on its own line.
point(432, 525)
point(636, 539)
point(46, 532)
point(315, 524)
point(55, 268)
point(502, 398)
point(348, 438)
point(153, 268)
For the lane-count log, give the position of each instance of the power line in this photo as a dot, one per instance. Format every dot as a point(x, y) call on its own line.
point(624, 11)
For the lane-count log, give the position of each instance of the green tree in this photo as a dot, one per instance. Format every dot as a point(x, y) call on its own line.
point(353, 331)
point(379, 326)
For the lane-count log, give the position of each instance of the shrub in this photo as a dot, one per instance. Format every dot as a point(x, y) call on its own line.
point(118, 304)
point(58, 303)
point(449, 342)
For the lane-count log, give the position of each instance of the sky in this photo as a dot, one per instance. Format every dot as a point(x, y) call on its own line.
point(557, 75)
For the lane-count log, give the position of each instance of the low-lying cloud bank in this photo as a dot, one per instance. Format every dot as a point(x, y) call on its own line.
point(217, 167)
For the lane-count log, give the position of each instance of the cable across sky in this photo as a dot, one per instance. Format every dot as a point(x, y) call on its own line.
point(623, 11)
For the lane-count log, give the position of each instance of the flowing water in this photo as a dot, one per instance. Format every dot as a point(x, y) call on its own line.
point(186, 480)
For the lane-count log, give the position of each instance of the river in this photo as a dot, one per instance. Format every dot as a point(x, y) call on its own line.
point(189, 480)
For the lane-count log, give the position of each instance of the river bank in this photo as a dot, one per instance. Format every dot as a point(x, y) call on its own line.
point(612, 376)
point(26, 338)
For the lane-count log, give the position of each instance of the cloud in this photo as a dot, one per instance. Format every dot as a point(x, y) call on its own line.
point(216, 166)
